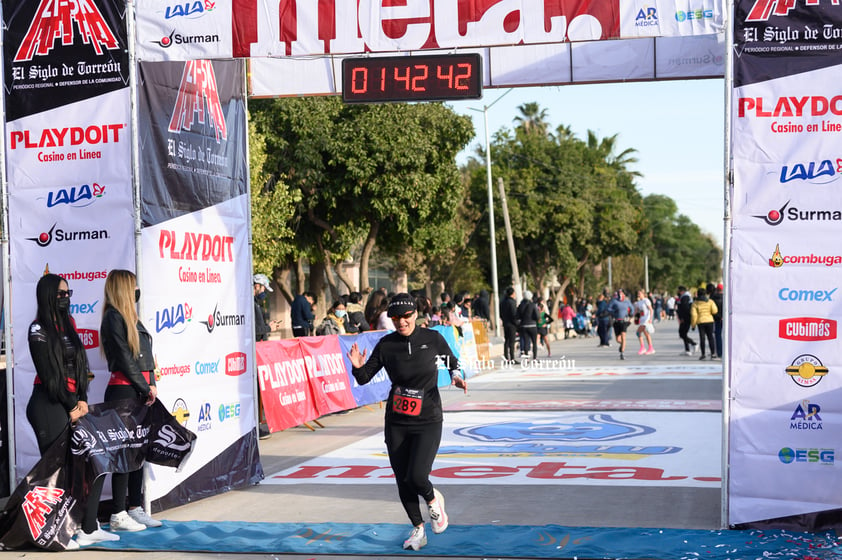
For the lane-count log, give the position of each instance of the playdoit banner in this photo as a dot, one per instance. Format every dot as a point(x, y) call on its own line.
point(198, 289)
point(787, 205)
point(68, 162)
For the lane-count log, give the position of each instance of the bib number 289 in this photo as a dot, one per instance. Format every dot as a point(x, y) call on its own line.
point(407, 401)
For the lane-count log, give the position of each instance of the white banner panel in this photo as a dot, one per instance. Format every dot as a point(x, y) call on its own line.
point(199, 311)
point(183, 30)
point(668, 18)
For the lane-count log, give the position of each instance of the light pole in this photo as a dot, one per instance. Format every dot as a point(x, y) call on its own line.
point(495, 306)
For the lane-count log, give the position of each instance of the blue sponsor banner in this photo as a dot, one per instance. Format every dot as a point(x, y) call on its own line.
point(378, 388)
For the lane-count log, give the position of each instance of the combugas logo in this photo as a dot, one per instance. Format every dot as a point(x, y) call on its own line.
point(806, 370)
point(198, 97)
point(778, 259)
point(776, 217)
point(56, 19)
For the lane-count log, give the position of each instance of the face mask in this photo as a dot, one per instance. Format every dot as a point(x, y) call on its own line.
point(340, 313)
point(261, 296)
point(63, 304)
point(137, 295)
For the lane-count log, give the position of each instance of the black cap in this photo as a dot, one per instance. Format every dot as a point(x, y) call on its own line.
point(400, 305)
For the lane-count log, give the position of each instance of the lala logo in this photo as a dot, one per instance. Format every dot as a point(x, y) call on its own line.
point(56, 19)
point(190, 10)
point(78, 197)
point(197, 97)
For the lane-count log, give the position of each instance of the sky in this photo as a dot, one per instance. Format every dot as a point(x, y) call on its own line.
point(677, 128)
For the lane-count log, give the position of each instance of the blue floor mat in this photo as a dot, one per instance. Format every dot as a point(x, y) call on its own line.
point(512, 541)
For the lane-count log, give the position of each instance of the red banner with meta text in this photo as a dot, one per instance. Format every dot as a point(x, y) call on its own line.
point(302, 379)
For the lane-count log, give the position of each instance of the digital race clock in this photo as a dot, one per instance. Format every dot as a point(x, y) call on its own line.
point(412, 78)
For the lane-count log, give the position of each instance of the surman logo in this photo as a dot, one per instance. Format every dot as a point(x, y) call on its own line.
point(62, 19)
point(198, 97)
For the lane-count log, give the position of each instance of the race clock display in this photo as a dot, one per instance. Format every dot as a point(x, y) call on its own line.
point(412, 78)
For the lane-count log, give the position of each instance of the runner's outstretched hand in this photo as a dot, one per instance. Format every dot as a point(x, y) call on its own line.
point(357, 359)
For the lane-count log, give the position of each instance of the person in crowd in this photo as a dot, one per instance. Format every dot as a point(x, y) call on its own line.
point(702, 312)
point(682, 311)
point(262, 328)
point(335, 320)
point(603, 320)
point(482, 307)
point(645, 316)
point(715, 295)
point(60, 389)
point(425, 310)
point(658, 304)
point(127, 346)
point(356, 313)
point(528, 319)
point(620, 309)
point(301, 314)
point(670, 307)
point(544, 320)
point(413, 420)
point(567, 317)
point(508, 317)
point(435, 317)
point(445, 299)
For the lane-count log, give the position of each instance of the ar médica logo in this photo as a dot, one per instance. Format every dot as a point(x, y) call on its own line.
point(56, 19)
point(198, 97)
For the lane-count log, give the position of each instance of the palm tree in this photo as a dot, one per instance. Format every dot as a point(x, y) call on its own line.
point(532, 118)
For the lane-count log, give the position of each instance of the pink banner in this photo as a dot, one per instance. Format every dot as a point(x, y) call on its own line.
point(329, 380)
point(284, 384)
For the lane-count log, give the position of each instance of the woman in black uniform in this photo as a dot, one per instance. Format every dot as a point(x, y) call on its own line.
point(128, 350)
point(411, 356)
point(60, 393)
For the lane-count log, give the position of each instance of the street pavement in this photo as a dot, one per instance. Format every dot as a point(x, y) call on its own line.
point(671, 482)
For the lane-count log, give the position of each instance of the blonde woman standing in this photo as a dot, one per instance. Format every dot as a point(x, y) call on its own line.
point(128, 350)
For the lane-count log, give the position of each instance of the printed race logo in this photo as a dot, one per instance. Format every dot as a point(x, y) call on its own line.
point(174, 318)
point(806, 417)
point(788, 455)
point(778, 259)
point(762, 9)
point(89, 338)
point(776, 217)
point(189, 10)
point(77, 197)
point(63, 19)
point(60, 236)
point(198, 97)
point(806, 370)
point(811, 171)
point(82, 442)
point(40, 504)
point(235, 364)
point(807, 328)
point(218, 319)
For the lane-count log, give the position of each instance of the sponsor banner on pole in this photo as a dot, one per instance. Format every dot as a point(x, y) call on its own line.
point(183, 29)
point(786, 122)
point(197, 300)
point(328, 377)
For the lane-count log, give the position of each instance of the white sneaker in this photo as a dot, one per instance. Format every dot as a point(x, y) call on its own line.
point(122, 522)
point(438, 517)
point(100, 535)
point(139, 515)
point(72, 545)
point(416, 539)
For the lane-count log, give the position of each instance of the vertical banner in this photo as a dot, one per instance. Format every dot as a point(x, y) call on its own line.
point(68, 164)
point(196, 260)
point(786, 403)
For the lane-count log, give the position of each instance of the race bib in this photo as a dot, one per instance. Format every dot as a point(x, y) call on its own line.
point(407, 401)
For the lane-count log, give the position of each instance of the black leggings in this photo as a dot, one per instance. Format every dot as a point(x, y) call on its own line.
point(412, 450)
point(706, 332)
point(49, 418)
point(125, 484)
point(510, 337)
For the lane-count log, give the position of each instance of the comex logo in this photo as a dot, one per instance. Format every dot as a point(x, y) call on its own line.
point(806, 370)
point(789, 455)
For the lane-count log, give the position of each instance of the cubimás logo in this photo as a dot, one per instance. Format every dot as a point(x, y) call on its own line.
point(793, 214)
point(189, 10)
point(806, 417)
point(806, 370)
point(54, 20)
point(807, 328)
point(235, 363)
point(60, 236)
point(788, 455)
point(89, 337)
